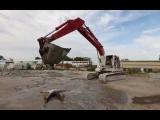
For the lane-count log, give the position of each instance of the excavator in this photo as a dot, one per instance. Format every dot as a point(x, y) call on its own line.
point(108, 69)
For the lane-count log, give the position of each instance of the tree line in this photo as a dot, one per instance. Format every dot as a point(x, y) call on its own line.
point(66, 58)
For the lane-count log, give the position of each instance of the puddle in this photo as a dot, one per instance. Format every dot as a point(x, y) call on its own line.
point(147, 100)
point(114, 96)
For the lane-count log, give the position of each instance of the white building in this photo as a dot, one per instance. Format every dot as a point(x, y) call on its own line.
point(25, 64)
point(2, 64)
point(76, 63)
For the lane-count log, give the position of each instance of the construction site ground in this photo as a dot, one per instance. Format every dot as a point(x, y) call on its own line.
point(20, 89)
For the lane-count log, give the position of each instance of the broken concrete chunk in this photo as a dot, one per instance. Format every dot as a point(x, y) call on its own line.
point(54, 93)
point(147, 99)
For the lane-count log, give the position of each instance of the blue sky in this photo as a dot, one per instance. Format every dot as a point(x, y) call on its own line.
point(131, 28)
point(132, 34)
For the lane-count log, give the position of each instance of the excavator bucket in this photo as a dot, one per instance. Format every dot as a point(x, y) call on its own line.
point(53, 54)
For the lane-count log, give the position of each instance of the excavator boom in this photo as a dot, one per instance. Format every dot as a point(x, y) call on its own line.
point(70, 26)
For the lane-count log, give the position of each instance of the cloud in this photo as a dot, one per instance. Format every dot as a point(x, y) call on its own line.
point(20, 29)
point(151, 31)
point(117, 17)
point(144, 47)
point(108, 17)
point(149, 42)
point(131, 15)
point(113, 22)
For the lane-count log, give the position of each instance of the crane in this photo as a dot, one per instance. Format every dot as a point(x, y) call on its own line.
point(108, 67)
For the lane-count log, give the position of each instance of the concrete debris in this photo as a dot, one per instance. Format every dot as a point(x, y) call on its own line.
point(147, 100)
point(53, 93)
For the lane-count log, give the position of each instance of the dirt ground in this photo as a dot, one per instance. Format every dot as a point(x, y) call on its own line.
point(20, 89)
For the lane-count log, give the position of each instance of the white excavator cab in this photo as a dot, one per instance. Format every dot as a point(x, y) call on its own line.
point(111, 71)
point(112, 62)
point(108, 63)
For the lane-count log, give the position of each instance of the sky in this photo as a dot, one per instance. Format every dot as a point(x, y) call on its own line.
point(130, 34)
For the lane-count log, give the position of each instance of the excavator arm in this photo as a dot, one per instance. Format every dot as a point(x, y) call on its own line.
point(70, 26)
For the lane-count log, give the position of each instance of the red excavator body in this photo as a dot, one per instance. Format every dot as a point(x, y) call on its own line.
point(52, 54)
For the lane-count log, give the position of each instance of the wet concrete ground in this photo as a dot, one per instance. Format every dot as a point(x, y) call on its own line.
point(21, 90)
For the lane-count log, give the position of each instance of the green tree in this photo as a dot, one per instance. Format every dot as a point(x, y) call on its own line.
point(79, 59)
point(37, 58)
point(82, 59)
point(66, 58)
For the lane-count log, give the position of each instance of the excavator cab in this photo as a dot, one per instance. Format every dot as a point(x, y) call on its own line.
point(112, 61)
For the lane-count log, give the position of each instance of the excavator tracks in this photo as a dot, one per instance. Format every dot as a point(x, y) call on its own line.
point(91, 76)
point(108, 77)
